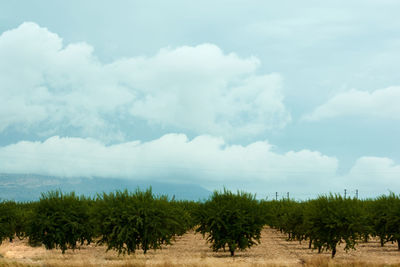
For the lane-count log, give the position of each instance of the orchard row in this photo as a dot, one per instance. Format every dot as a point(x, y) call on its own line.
point(127, 221)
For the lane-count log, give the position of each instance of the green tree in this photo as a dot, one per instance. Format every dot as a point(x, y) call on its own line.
point(367, 206)
point(129, 221)
point(386, 218)
point(332, 220)
point(379, 209)
point(231, 220)
point(8, 220)
point(60, 221)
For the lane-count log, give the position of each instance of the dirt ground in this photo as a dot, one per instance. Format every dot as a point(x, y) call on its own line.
point(192, 250)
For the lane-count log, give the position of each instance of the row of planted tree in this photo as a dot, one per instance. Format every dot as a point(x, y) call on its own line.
point(126, 221)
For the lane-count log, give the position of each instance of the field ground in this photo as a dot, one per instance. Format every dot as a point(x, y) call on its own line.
point(191, 250)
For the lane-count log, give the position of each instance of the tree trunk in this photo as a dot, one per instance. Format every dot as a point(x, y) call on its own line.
point(398, 244)
point(232, 252)
point(333, 252)
point(309, 244)
point(382, 242)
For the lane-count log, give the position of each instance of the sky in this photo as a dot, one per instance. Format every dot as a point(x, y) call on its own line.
point(261, 96)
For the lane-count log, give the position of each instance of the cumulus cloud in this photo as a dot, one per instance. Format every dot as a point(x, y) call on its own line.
point(372, 176)
point(51, 88)
point(382, 169)
point(381, 103)
point(205, 160)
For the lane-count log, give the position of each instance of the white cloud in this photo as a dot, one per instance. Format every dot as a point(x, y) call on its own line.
point(51, 88)
point(204, 160)
point(379, 169)
point(383, 103)
point(54, 88)
point(372, 176)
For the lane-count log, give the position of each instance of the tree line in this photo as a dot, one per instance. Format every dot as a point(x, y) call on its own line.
point(128, 221)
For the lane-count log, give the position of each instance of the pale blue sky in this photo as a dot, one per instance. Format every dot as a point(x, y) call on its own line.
point(280, 85)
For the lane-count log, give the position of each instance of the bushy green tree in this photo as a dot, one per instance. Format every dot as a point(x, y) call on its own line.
point(393, 220)
point(129, 221)
point(332, 220)
point(385, 217)
point(190, 208)
point(60, 221)
point(287, 216)
point(379, 212)
point(367, 209)
point(231, 220)
point(273, 211)
point(292, 220)
point(8, 220)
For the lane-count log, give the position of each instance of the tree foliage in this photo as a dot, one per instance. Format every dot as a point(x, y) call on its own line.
point(333, 220)
point(231, 220)
point(325, 222)
point(385, 217)
point(60, 221)
point(129, 221)
point(8, 220)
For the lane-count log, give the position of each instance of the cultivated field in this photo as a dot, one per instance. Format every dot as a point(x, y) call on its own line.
point(191, 250)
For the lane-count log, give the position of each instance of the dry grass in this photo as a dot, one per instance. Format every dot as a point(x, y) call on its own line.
point(192, 251)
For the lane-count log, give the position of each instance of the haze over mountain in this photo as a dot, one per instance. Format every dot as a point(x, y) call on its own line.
point(28, 187)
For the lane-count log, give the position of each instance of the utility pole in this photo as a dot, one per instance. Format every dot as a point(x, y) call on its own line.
point(276, 195)
point(345, 192)
point(287, 195)
point(356, 193)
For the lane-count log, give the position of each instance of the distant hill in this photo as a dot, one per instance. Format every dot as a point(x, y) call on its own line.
point(27, 187)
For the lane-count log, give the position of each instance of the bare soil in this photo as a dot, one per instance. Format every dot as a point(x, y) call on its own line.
point(192, 250)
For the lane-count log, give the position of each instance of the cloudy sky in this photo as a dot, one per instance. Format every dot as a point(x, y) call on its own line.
point(299, 96)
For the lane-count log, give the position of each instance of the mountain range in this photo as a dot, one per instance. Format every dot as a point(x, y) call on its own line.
point(29, 187)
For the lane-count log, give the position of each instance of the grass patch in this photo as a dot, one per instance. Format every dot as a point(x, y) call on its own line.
point(328, 262)
point(8, 263)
